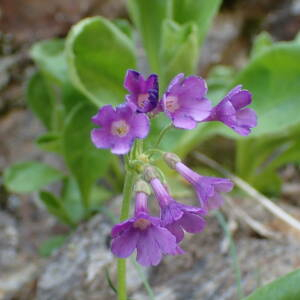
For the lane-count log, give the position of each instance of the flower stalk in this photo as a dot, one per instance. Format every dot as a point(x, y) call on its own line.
point(121, 265)
point(122, 130)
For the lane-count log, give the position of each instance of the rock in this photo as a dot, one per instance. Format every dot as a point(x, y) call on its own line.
point(16, 272)
point(9, 240)
point(77, 271)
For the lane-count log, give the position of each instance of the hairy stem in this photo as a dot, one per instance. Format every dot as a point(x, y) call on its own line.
point(127, 194)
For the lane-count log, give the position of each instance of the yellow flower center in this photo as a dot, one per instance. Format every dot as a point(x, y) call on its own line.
point(141, 224)
point(142, 99)
point(119, 128)
point(172, 103)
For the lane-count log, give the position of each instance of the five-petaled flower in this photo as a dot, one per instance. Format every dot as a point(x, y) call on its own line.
point(185, 101)
point(175, 216)
point(143, 233)
point(207, 188)
point(232, 113)
point(143, 95)
point(120, 126)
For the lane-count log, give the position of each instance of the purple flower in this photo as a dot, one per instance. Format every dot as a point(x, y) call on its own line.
point(119, 127)
point(177, 217)
point(145, 234)
point(207, 188)
point(143, 95)
point(232, 113)
point(185, 103)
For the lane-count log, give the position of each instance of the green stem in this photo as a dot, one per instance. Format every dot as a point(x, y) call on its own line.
point(127, 194)
point(116, 167)
point(162, 133)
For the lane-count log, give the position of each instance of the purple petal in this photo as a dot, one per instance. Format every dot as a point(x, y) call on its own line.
point(175, 84)
point(164, 239)
point(133, 81)
point(148, 251)
point(122, 146)
point(192, 223)
point(105, 115)
point(241, 99)
point(140, 125)
point(176, 230)
point(151, 82)
point(203, 194)
point(219, 184)
point(208, 189)
point(214, 202)
point(180, 120)
point(234, 90)
point(121, 227)
point(100, 138)
point(197, 108)
point(192, 87)
point(224, 110)
point(124, 111)
point(124, 244)
point(131, 100)
point(247, 117)
point(170, 213)
point(190, 208)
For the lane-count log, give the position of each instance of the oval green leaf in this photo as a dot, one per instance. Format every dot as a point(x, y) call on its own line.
point(98, 55)
point(39, 100)
point(50, 57)
point(86, 162)
point(284, 288)
point(30, 176)
point(273, 78)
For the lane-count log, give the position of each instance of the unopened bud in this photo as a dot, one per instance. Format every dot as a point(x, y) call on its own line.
point(142, 186)
point(171, 159)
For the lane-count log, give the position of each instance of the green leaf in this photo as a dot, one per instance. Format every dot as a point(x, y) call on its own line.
point(179, 50)
point(71, 200)
point(190, 139)
point(99, 54)
point(51, 244)
point(273, 79)
point(261, 43)
point(72, 97)
point(86, 162)
point(199, 11)
point(124, 26)
point(50, 141)
point(148, 17)
point(39, 100)
point(284, 288)
point(219, 78)
point(30, 176)
point(49, 56)
point(55, 206)
point(98, 196)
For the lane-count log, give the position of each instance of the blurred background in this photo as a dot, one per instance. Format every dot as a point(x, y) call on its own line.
point(42, 257)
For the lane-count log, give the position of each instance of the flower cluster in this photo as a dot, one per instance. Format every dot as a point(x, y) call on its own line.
point(185, 103)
